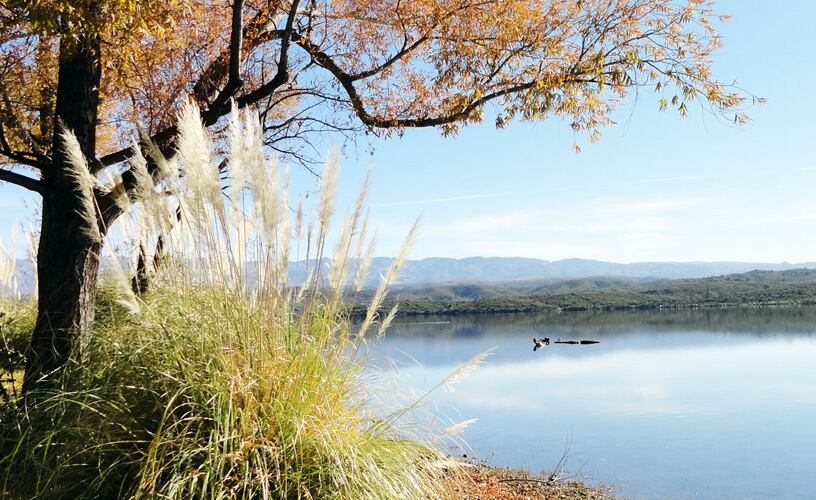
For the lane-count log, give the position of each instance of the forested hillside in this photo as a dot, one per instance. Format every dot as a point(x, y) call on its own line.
point(790, 287)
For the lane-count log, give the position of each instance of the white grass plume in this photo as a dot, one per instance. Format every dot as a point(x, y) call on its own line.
point(387, 321)
point(328, 190)
point(236, 167)
point(462, 371)
point(194, 152)
point(388, 278)
point(8, 264)
point(459, 427)
point(32, 239)
point(83, 182)
point(364, 264)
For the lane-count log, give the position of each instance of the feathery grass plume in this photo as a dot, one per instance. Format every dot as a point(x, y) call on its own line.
point(167, 170)
point(83, 182)
point(362, 242)
point(328, 191)
point(200, 198)
point(235, 165)
point(462, 371)
point(154, 210)
point(447, 383)
point(459, 427)
point(388, 278)
point(387, 321)
point(263, 179)
point(202, 182)
point(115, 185)
point(236, 169)
point(284, 237)
point(364, 264)
point(119, 270)
point(297, 232)
point(194, 148)
point(144, 181)
point(32, 239)
point(338, 272)
point(8, 264)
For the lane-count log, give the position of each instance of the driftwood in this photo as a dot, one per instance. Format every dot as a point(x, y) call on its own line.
point(539, 343)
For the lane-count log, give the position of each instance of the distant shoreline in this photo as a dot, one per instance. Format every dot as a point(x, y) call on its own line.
point(754, 289)
point(410, 309)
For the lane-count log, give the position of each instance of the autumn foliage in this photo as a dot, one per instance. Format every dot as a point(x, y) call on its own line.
point(360, 65)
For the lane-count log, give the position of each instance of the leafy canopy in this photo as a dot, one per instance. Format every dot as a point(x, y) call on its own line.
point(351, 66)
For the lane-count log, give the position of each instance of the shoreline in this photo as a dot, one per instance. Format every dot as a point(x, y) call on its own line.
point(480, 481)
point(412, 308)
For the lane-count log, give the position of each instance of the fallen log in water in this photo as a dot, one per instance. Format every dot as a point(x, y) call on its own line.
point(582, 342)
point(539, 343)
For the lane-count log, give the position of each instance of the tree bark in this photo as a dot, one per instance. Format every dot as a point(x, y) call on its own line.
point(141, 280)
point(70, 241)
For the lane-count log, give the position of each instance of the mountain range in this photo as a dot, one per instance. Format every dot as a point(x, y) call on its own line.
point(438, 270)
point(513, 270)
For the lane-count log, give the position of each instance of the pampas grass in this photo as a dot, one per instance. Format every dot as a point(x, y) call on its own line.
point(8, 264)
point(224, 380)
point(82, 182)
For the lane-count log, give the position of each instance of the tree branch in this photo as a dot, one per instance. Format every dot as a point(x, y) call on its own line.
point(234, 82)
point(22, 181)
point(18, 156)
point(347, 82)
point(282, 75)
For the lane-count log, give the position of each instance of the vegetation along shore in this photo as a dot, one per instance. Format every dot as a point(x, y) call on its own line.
point(752, 289)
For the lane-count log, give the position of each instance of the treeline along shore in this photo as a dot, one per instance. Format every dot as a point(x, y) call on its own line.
point(752, 289)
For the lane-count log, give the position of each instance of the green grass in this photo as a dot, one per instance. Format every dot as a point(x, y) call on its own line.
point(16, 322)
point(223, 381)
point(203, 394)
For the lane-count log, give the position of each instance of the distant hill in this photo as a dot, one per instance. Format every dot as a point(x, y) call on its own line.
point(503, 269)
point(753, 288)
point(23, 277)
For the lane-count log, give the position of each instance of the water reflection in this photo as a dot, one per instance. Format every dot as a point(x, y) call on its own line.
point(713, 404)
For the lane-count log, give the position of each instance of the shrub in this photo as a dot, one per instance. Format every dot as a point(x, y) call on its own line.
point(225, 380)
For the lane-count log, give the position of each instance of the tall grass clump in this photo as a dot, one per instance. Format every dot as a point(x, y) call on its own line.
point(17, 315)
point(224, 380)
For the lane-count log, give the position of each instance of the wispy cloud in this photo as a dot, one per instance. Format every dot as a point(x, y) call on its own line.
point(592, 230)
point(433, 201)
point(582, 188)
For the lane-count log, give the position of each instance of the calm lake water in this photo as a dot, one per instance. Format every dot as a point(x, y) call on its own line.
point(692, 404)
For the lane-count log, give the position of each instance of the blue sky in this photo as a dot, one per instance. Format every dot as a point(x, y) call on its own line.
point(656, 187)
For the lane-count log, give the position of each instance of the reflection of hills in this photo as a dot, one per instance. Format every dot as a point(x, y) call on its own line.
point(756, 321)
point(451, 340)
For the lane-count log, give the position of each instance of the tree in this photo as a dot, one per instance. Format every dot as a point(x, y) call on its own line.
point(96, 67)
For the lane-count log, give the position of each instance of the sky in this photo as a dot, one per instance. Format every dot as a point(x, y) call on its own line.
point(657, 187)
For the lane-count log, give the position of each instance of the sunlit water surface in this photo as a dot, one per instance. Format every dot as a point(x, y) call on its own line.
point(696, 404)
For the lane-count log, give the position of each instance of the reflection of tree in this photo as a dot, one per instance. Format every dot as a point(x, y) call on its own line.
point(758, 321)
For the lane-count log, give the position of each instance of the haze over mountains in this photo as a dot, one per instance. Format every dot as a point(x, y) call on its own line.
point(440, 270)
point(503, 269)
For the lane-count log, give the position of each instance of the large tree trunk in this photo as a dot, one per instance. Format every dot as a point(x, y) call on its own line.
point(70, 241)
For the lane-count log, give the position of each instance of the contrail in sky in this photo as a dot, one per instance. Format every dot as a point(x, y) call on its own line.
point(433, 201)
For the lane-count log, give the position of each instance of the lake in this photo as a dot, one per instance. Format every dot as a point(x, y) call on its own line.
point(683, 404)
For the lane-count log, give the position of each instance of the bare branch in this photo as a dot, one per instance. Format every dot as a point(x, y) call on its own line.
point(282, 75)
point(347, 82)
point(234, 81)
point(22, 181)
